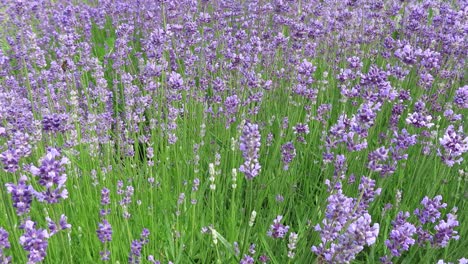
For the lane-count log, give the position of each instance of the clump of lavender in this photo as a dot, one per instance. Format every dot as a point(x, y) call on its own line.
point(288, 152)
point(405, 234)
point(55, 123)
point(420, 118)
point(22, 195)
point(4, 244)
point(35, 241)
point(444, 230)
point(454, 145)
point(21, 143)
point(430, 213)
point(52, 177)
point(250, 147)
point(278, 230)
point(104, 231)
point(347, 226)
point(136, 247)
point(401, 237)
point(431, 209)
point(351, 132)
point(10, 159)
point(461, 97)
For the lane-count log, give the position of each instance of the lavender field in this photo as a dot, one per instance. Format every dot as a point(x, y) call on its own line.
point(233, 131)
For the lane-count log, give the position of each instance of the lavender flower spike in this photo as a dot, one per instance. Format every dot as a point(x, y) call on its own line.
point(4, 244)
point(35, 241)
point(250, 147)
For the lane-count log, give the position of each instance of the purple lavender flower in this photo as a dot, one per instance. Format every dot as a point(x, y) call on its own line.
point(278, 230)
point(368, 193)
point(52, 176)
point(340, 168)
point(4, 244)
point(195, 184)
point(354, 62)
point(461, 97)
point(35, 241)
point(407, 54)
point(105, 199)
point(445, 230)
point(359, 233)
point(401, 238)
point(127, 199)
point(21, 194)
point(431, 209)
point(231, 105)
point(137, 246)
point(104, 231)
point(175, 81)
point(347, 228)
point(247, 260)
point(454, 144)
point(285, 123)
point(10, 159)
point(323, 113)
point(288, 152)
point(250, 147)
point(378, 161)
point(63, 223)
point(419, 120)
point(301, 128)
point(55, 123)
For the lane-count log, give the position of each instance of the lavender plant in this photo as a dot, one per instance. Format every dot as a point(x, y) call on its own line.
point(252, 121)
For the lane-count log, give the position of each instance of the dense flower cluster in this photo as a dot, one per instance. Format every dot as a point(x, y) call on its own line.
point(347, 226)
point(278, 230)
point(454, 145)
point(51, 175)
point(22, 195)
point(405, 234)
point(35, 241)
point(250, 147)
point(55, 122)
point(136, 247)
